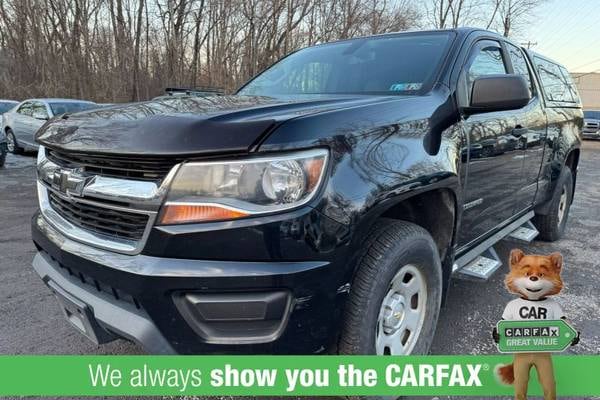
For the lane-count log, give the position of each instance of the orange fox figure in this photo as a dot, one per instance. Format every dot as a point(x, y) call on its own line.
point(534, 278)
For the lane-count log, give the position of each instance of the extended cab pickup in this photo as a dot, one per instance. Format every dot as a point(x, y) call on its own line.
point(323, 207)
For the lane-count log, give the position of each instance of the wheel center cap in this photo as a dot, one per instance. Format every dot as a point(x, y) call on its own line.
point(394, 313)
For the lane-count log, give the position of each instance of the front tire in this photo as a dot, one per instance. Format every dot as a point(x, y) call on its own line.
point(11, 143)
point(395, 296)
point(552, 225)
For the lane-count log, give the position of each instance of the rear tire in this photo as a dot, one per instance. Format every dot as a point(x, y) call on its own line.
point(552, 225)
point(2, 156)
point(382, 316)
point(11, 143)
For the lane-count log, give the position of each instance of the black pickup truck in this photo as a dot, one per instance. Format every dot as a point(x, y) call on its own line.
point(322, 208)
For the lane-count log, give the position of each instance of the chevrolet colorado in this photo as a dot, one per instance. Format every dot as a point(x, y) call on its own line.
point(322, 208)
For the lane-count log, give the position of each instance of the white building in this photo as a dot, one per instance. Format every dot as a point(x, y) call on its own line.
point(588, 85)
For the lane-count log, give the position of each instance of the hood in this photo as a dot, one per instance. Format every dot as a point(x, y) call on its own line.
point(182, 125)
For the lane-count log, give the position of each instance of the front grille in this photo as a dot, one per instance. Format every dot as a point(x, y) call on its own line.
point(140, 168)
point(113, 223)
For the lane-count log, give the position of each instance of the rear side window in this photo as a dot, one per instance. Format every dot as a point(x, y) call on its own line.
point(519, 64)
point(25, 109)
point(557, 84)
point(570, 83)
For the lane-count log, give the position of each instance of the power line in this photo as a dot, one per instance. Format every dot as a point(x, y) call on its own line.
point(587, 73)
point(563, 34)
point(589, 63)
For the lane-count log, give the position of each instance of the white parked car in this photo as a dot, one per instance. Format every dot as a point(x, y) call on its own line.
point(22, 122)
point(5, 105)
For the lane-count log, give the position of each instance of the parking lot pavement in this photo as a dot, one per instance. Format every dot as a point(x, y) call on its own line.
point(31, 322)
point(473, 308)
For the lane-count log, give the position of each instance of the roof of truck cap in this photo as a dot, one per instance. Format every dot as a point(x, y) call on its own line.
point(50, 100)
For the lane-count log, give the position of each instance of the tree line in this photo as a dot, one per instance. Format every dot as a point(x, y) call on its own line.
point(128, 50)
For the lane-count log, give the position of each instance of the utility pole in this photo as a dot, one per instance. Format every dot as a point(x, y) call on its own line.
point(529, 44)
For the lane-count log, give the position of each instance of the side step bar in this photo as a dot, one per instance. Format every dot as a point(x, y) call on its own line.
point(525, 233)
point(482, 261)
point(482, 266)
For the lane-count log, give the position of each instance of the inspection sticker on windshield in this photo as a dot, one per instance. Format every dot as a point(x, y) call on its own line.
point(400, 87)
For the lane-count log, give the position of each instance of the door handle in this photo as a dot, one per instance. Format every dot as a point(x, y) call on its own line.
point(519, 131)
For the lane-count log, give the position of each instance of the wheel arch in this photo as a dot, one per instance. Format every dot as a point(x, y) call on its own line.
point(572, 161)
point(416, 207)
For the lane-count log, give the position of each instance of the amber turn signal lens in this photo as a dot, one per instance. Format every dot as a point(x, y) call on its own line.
point(313, 169)
point(182, 213)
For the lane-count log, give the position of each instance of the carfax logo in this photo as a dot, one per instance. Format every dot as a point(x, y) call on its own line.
point(547, 331)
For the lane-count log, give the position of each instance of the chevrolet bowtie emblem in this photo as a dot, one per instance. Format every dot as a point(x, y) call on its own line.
point(68, 182)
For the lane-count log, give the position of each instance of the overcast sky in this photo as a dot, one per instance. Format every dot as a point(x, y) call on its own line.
point(569, 32)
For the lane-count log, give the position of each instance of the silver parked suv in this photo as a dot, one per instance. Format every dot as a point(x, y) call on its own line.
point(591, 125)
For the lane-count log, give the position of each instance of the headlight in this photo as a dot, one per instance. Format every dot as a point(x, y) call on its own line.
point(226, 190)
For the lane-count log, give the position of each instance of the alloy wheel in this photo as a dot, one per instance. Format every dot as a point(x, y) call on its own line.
point(10, 142)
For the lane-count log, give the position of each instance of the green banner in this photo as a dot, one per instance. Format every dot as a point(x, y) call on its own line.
point(535, 336)
point(279, 375)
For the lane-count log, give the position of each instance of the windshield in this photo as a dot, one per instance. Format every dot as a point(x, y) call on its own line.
point(388, 64)
point(591, 114)
point(5, 106)
point(70, 107)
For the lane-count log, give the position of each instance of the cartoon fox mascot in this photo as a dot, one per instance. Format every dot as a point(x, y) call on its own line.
point(534, 278)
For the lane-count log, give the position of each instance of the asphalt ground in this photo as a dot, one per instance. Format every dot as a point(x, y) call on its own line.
point(31, 322)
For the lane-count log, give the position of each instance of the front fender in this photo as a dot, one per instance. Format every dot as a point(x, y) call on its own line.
point(379, 157)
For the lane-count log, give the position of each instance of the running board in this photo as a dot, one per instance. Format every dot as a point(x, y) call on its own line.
point(525, 233)
point(482, 261)
point(483, 266)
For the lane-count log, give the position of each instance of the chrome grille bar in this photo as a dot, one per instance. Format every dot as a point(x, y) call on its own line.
point(106, 212)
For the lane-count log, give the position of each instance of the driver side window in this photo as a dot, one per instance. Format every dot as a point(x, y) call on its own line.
point(488, 60)
point(39, 111)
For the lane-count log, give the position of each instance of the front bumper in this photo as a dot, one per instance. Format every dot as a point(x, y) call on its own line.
point(279, 307)
point(116, 318)
point(591, 134)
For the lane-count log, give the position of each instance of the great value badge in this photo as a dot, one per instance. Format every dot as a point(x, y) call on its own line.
point(534, 336)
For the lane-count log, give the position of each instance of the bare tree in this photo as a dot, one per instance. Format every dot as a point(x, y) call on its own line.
point(514, 13)
point(124, 50)
point(501, 15)
point(135, 91)
point(445, 14)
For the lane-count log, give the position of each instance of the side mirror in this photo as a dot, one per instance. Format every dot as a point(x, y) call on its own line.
point(498, 93)
point(40, 115)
